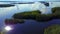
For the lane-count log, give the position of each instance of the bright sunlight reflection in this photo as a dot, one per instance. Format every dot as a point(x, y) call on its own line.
point(8, 28)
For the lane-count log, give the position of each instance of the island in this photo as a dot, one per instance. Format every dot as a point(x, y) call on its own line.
point(14, 21)
point(35, 15)
point(6, 5)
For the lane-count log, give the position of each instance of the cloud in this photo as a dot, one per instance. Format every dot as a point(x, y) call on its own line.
point(30, 7)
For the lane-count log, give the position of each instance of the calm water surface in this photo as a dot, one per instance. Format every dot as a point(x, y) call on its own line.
point(28, 27)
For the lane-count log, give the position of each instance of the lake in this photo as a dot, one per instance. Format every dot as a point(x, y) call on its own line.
point(29, 26)
point(32, 27)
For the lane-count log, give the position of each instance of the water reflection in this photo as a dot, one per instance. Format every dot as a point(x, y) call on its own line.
point(32, 27)
point(29, 24)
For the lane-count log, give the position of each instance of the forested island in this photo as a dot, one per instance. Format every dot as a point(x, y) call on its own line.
point(35, 15)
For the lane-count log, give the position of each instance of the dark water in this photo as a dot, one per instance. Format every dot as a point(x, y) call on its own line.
point(32, 27)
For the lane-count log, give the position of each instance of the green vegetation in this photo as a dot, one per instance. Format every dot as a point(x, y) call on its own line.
point(55, 9)
point(36, 15)
point(53, 29)
point(44, 17)
point(56, 12)
point(27, 15)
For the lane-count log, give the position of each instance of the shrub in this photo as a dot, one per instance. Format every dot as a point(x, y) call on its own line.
point(53, 29)
point(55, 9)
point(56, 12)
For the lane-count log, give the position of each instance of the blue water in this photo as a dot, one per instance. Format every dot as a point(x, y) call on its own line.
point(29, 26)
point(32, 27)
